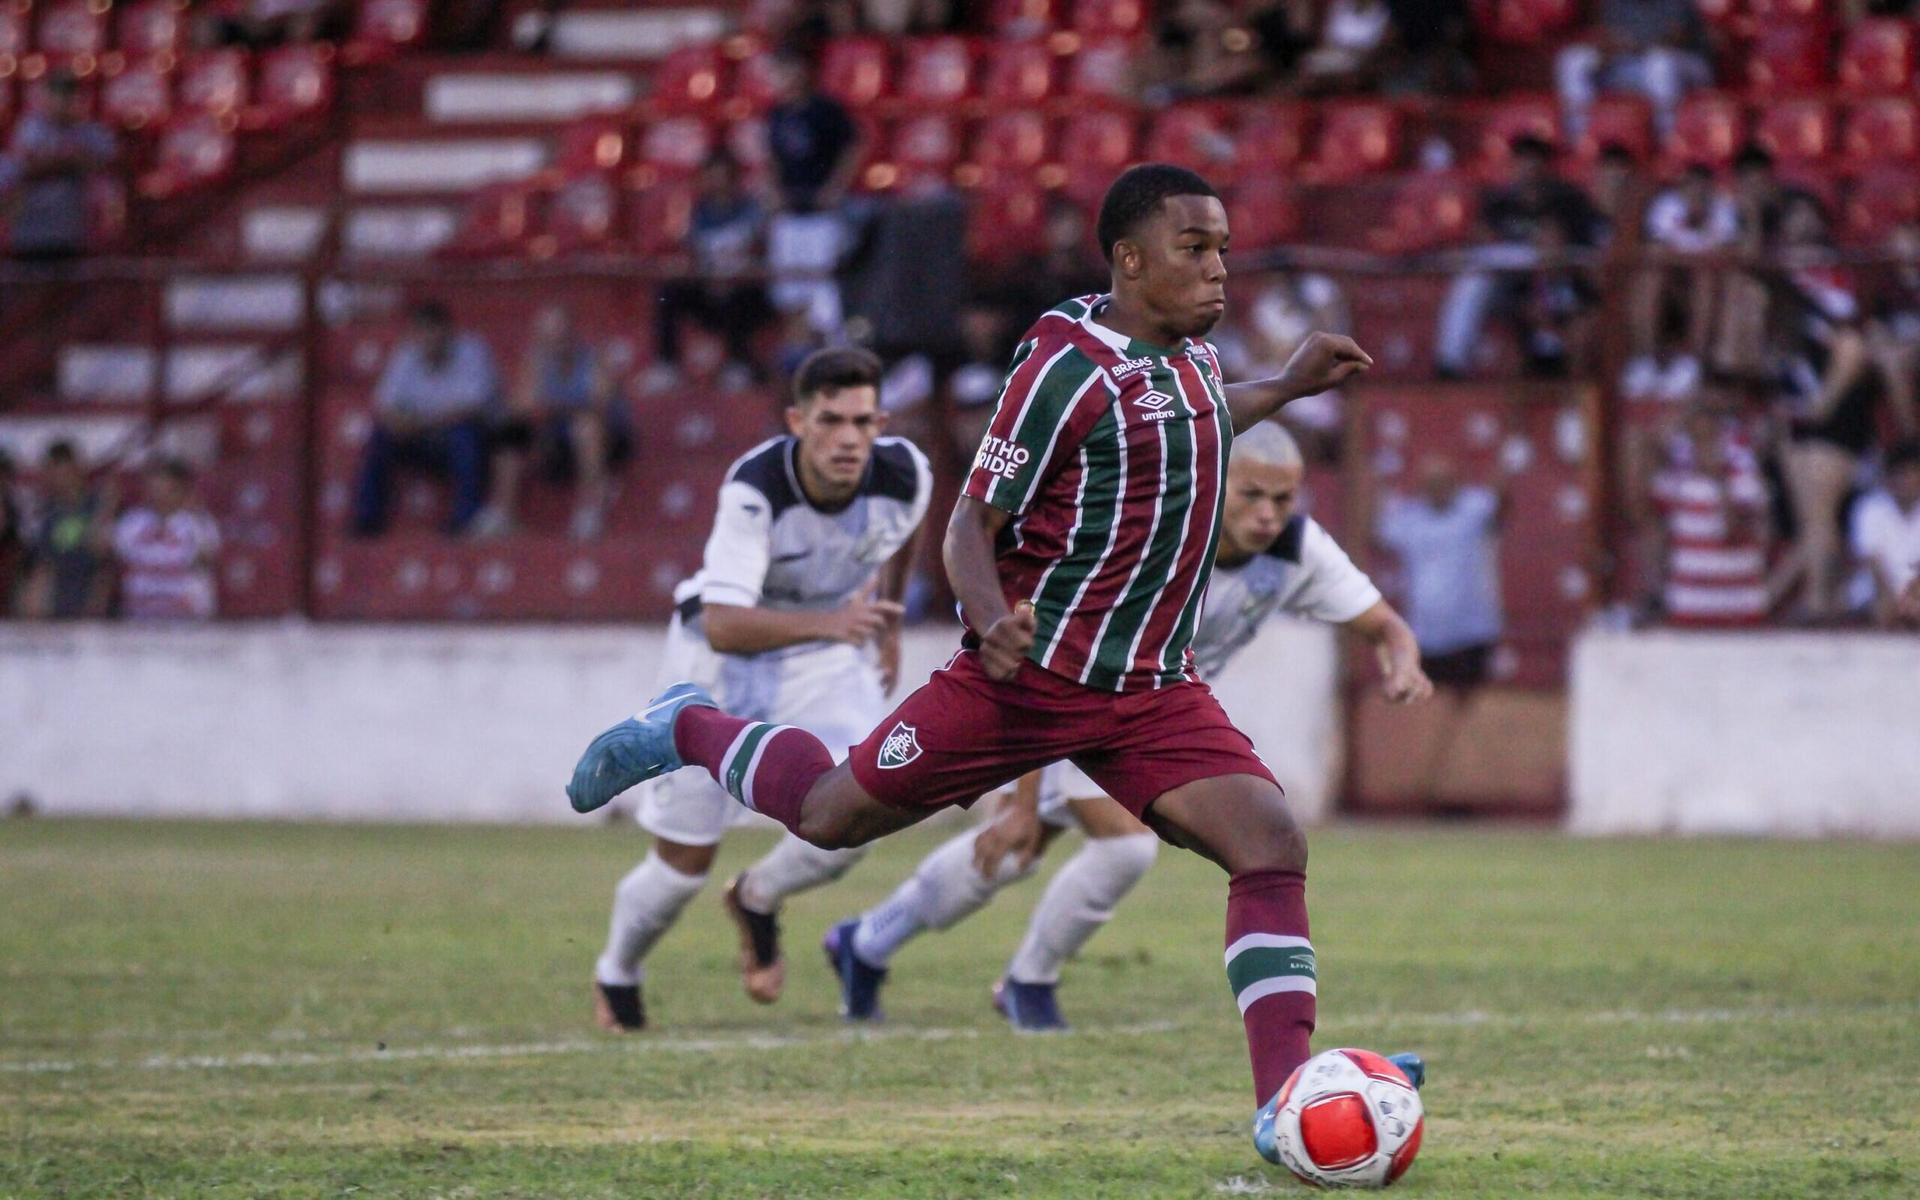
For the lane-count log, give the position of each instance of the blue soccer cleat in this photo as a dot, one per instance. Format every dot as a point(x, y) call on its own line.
point(1412, 1065)
point(636, 750)
point(859, 983)
point(1028, 1007)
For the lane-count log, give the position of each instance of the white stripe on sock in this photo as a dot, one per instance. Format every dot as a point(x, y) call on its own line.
point(1274, 986)
point(1266, 941)
point(733, 748)
point(753, 764)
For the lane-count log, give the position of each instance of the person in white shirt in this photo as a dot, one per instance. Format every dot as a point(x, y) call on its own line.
point(1685, 224)
point(1886, 537)
point(166, 550)
point(793, 618)
point(1270, 559)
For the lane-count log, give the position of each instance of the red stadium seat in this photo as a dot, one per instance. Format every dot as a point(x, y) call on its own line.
point(1877, 56)
point(15, 37)
point(1708, 128)
point(583, 212)
point(853, 70)
point(1094, 146)
point(1429, 212)
point(659, 215)
point(1109, 18)
point(72, 31)
point(1017, 73)
point(1006, 224)
point(595, 144)
point(756, 80)
point(1102, 68)
point(687, 80)
point(1011, 141)
point(1625, 121)
point(214, 81)
point(1357, 138)
point(1802, 11)
point(136, 95)
point(1273, 136)
point(296, 80)
point(1195, 136)
point(385, 27)
point(1797, 131)
point(1788, 57)
point(1262, 213)
point(676, 145)
point(1731, 16)
point(497, 221)
point(151, 27)
point(1023, 18)
point(1885, 196)
point(1507, 119)
point(936, 70)
point(1882, 130)
point(1524, 22)
point(193, 151)
point(931, 140)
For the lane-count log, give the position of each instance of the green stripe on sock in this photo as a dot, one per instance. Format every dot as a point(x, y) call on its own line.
point(1266, 962)
point(736, 781)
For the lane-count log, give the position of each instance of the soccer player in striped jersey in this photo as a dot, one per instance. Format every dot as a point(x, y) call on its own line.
point(1271, 559)
point(1079, 553)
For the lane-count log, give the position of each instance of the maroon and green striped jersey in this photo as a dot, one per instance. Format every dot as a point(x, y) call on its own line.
point(1110, 454)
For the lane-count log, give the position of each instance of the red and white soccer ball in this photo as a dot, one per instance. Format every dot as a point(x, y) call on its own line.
point(1348, 1118)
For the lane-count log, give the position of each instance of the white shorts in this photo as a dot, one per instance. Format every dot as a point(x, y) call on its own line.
point(1060, 784)
point(832, 692)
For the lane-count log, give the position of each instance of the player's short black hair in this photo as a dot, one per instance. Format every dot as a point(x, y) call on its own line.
point(1137, 195)
point(1903, 455)
point(1753, 155)
point(835, 369)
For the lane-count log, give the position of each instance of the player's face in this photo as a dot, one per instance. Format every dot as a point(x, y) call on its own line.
point(1260, 501)
point(836, 431)
point(1177, 262)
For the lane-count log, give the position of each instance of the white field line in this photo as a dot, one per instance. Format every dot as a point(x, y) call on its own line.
point(668, 1044)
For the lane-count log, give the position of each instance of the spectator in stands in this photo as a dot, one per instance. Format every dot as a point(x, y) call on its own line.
point(166, 549)
point(1199, 49)
point(430, 410)
point(1356, 39)
point(1707, 511)
point(1893, 334)
point(814, 147)
point(1504, 270)
point(1069, 265)
point(1689, 222)
point(13, 532)
point(55, 155)
point(65, 575)
point(1657, 48)
point(1263, 332)
point(724, 294)
point(1827, 392)
point(974, 385)
point(1886, 534)
point(261, 23)
point(563, 410)
point(1743, 308)
point(1619, 193)
point(1556, 313)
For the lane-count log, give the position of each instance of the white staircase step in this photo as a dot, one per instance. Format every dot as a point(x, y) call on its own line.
point(398, 230)
point(282, 232)
point(549, 96)
point(380, 166)
point(633, 33)
point(126, 374)
point(267, 303)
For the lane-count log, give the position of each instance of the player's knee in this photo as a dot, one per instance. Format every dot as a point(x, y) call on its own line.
point(1128, 856)
point(1271, 840)
point(688, 860)
point(828, 830)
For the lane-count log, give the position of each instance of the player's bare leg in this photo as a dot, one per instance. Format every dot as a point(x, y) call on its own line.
point(645, 905)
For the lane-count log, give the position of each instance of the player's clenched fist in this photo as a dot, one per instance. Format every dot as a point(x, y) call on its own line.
point(1323, 361)
point(1005, 645)
point(862, 619)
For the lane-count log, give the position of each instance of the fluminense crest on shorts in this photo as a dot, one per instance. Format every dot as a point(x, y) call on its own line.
point(902, 746)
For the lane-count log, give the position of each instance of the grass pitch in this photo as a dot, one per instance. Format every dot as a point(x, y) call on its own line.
point(274, 1010)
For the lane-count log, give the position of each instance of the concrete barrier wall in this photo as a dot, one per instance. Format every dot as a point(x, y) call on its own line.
point(431, 723)
point(1800, 735)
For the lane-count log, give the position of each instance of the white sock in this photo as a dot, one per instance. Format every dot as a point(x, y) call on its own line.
point(1078, 901)
point(943, 889)
point(645, 905)
point(793, 866)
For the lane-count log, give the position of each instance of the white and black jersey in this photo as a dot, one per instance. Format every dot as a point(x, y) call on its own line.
point(1304, 573)
point(772, 548)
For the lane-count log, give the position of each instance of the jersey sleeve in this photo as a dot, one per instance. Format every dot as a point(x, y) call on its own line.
point(739, 548)
point(1032, 430)
point(922, 487)
point(1331, 588)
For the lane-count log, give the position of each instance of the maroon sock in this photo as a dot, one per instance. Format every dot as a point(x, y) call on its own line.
point(1270, 967)
point(768, 768)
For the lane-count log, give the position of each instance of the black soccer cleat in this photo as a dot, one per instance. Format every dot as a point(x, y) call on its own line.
point(762, 970)
point(617, 1007)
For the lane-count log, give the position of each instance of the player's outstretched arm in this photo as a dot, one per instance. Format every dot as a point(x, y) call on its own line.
point(1324, 360)
point(1397, 652)
point(740, 629)
point(1005, 634)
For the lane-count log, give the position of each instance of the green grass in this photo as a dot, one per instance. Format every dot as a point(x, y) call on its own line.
point(269, 1010)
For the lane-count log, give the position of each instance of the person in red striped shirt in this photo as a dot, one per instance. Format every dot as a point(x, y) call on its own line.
point(1713, 528)
point(166, 549)
point(1080, 553)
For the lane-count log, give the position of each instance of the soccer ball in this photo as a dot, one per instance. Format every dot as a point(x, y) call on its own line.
point(1348, 1118)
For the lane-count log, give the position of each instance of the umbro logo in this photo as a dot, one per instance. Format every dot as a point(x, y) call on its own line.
point(1159, 405)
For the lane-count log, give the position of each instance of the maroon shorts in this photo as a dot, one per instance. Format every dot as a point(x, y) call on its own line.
point(961, 736)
